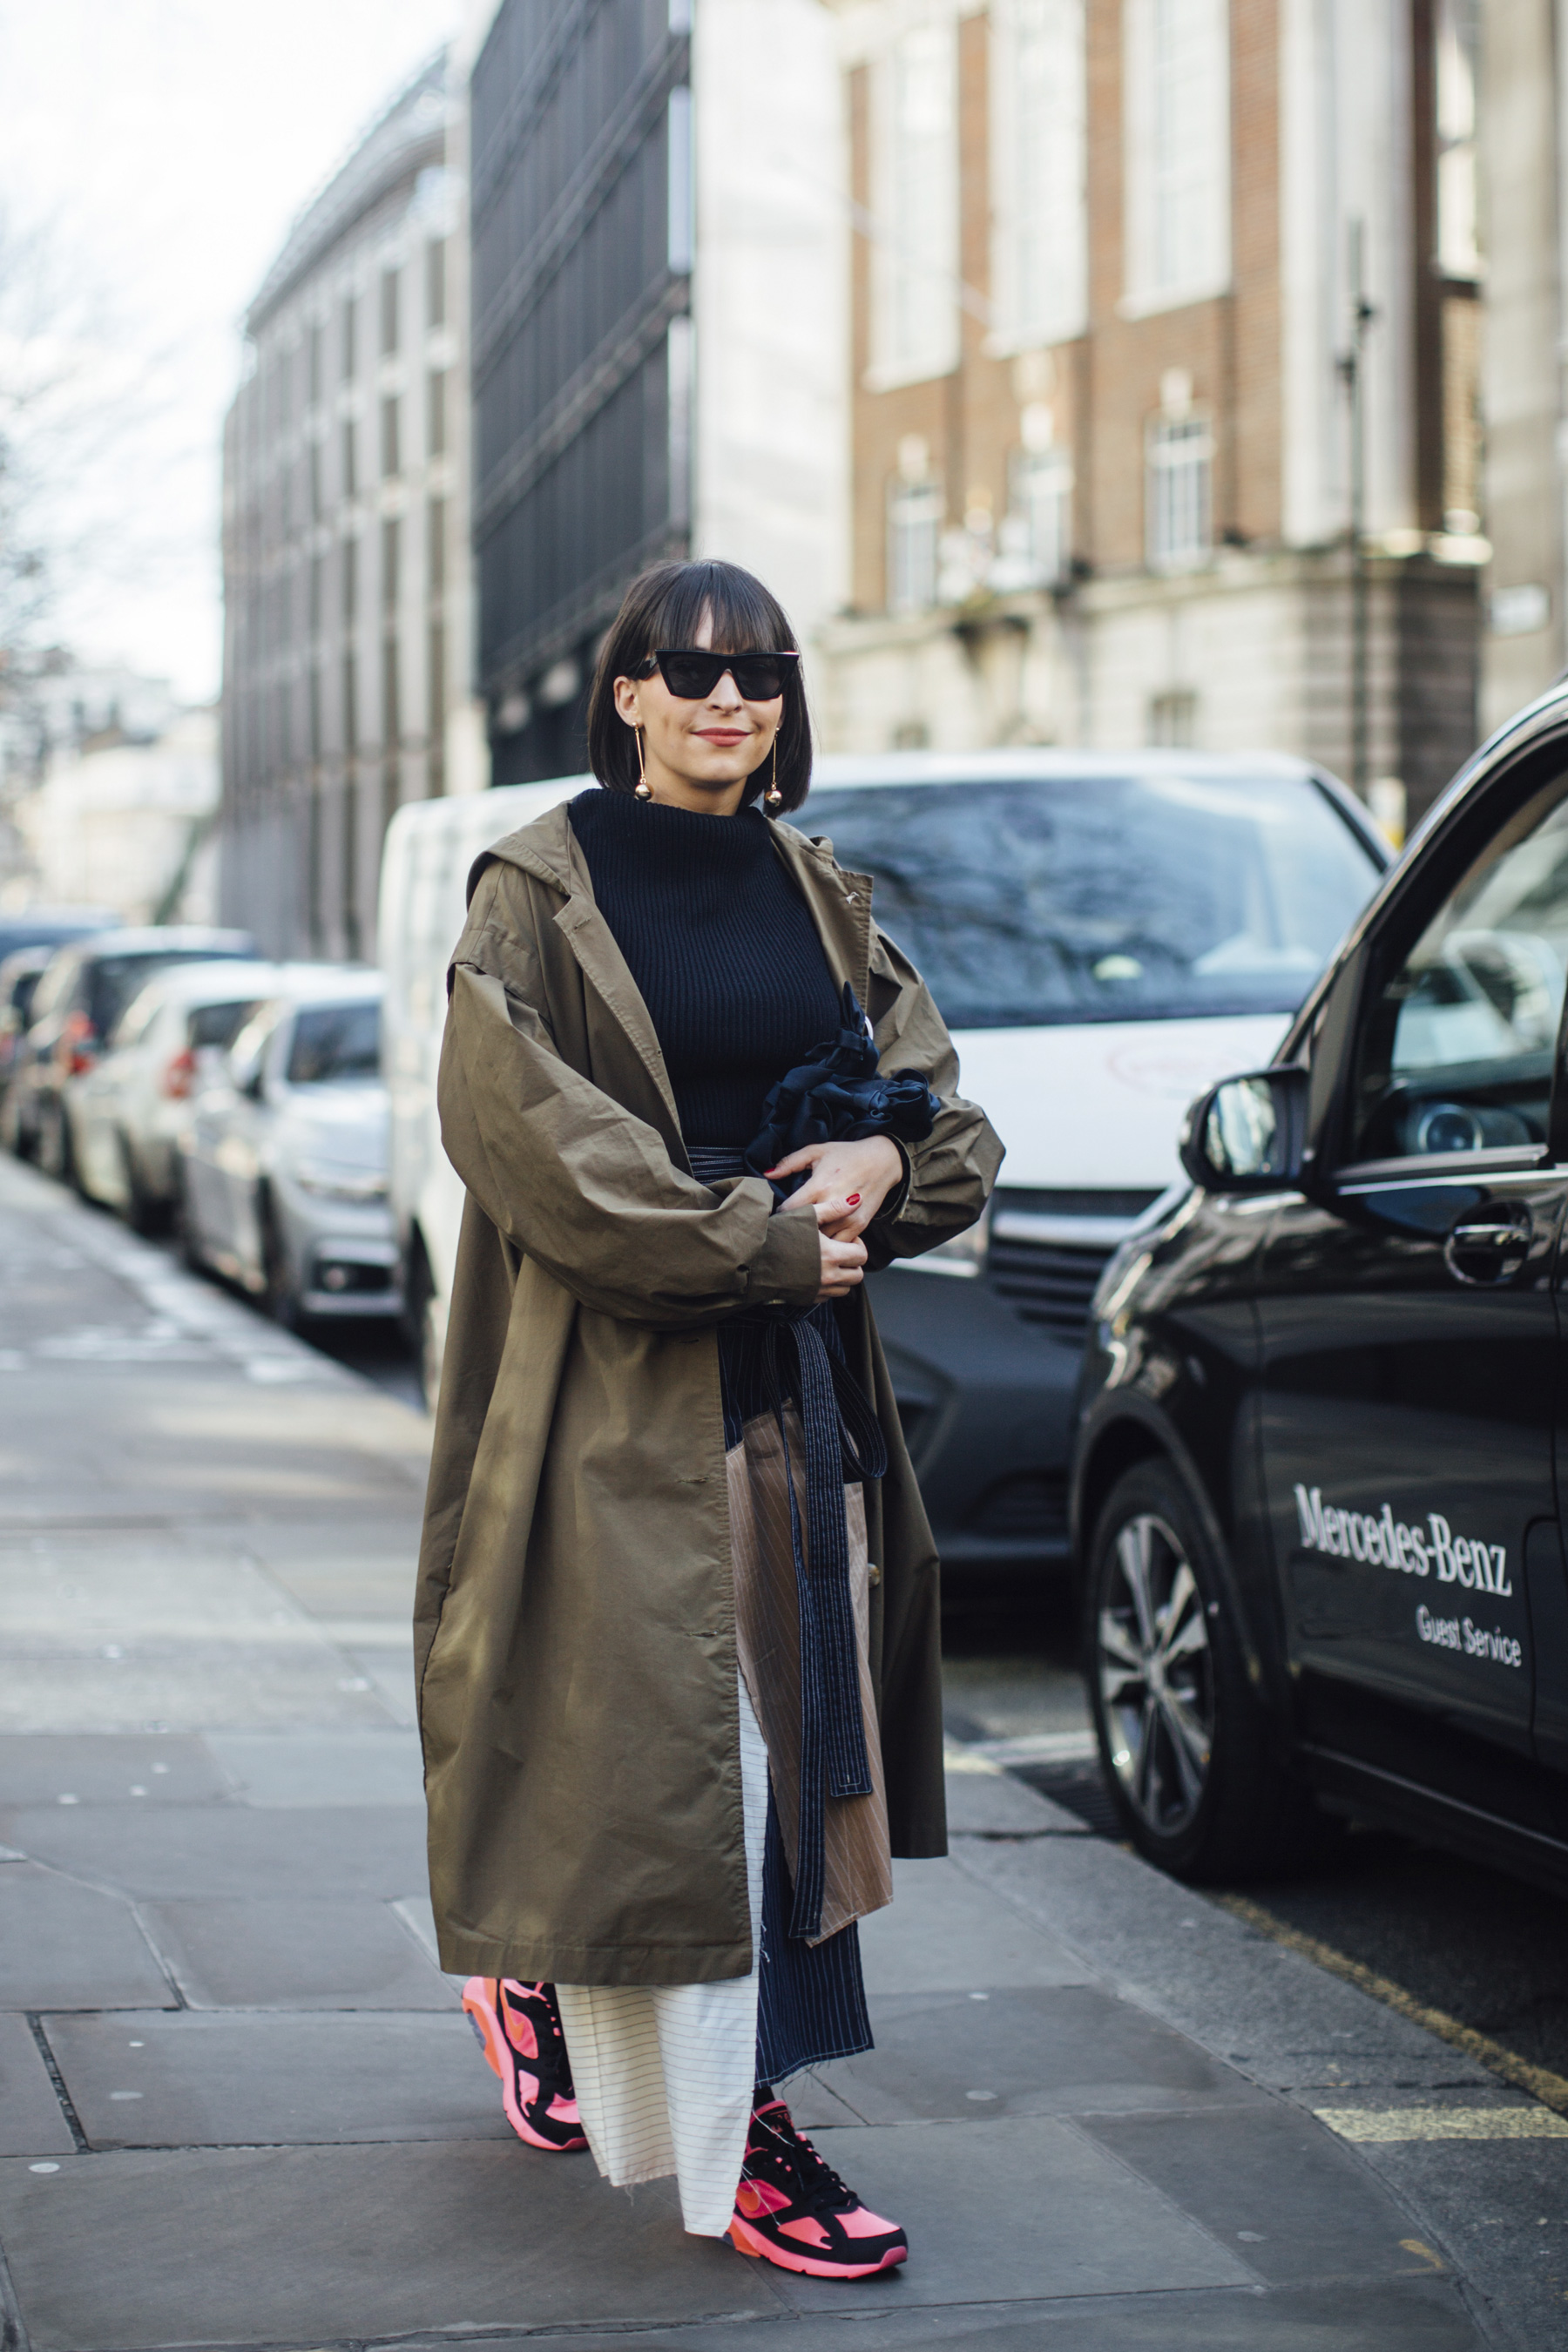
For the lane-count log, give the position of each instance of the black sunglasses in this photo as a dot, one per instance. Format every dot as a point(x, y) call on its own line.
point(691, 675)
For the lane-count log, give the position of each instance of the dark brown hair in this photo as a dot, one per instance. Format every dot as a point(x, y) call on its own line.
point(665, 607)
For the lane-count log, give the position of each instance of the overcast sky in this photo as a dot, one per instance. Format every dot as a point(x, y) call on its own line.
point(167, 145)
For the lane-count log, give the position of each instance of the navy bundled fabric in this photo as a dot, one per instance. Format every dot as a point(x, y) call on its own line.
point(836, 1095)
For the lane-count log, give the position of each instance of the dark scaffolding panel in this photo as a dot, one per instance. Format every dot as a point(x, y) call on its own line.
point(573, 296)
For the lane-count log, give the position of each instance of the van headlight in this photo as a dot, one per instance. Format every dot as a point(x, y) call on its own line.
point(331, 1182)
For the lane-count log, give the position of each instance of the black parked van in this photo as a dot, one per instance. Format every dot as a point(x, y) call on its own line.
point(1316, 1486)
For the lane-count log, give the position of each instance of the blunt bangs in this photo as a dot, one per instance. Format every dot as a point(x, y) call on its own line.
point(665, 607)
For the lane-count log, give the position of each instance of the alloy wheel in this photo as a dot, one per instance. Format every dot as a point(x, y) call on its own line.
point(1156, 1675)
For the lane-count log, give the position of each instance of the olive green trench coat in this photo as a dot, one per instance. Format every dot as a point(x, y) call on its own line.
point(574, 1629)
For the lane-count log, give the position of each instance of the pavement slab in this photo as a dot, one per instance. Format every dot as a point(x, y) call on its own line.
point(370, 1767)
point(976, 2057)
point(31, 2121)
point(236, 1851)
point(1320, 2319)
point(65, 1945)
point(42, 1767)
point(310, 1952)
point(942, 1934)
point(201, 2080)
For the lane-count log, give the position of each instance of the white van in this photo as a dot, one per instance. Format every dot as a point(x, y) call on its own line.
point(1106, 934)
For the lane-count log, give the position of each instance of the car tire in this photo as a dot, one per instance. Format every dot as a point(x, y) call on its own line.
point(1185, 1748)
point(424, 1324)
point(283, 1298)
point(144, 1213)
point(52, 1149)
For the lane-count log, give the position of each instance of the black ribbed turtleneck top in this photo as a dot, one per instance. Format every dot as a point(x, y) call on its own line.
point(722, 949)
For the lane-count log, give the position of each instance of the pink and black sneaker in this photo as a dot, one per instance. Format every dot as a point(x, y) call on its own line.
point(792, 2208)
point(519, 2029)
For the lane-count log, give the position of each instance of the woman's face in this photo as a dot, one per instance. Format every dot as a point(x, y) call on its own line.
point(699, 755)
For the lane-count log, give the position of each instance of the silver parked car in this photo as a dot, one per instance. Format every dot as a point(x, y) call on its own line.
point(132, 1107)
point(284, 1162)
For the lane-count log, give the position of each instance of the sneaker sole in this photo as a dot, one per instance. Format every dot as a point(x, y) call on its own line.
point(492, 2041)
point(763, 2250)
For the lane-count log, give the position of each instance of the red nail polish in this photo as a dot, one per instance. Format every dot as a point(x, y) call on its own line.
point(852, 1200)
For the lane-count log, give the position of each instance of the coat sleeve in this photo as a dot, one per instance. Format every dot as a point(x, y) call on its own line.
point(953, 1172)
point(580, 1184)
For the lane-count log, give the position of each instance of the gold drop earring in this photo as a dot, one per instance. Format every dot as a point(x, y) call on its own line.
point(775, 798)
point(643, 789)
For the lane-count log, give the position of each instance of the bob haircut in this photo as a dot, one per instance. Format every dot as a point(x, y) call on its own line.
point(663, 609)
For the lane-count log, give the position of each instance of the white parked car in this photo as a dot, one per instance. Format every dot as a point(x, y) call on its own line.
point(1105, 933)
point(132, 1107)
point(284, 1164)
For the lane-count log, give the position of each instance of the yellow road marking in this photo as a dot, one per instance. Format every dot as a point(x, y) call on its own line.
point(1551, 2089)
point(1443, 2123)
point(1415, 2246)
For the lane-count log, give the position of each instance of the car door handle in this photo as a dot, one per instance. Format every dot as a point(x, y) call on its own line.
point(1488, 1249)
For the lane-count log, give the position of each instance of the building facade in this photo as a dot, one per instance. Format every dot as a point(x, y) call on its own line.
point(348, 632)
point(1524, 158)
point(657, 329)
point(1164, 379)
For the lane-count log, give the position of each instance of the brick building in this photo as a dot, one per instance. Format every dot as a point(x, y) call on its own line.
point(1103, 254)
point(347, 628)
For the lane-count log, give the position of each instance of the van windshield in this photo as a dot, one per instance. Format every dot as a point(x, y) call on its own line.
point(1136, 898)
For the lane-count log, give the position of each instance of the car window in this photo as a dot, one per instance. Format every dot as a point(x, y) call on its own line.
point(1146, 897)
point(333, 1043)
point(114, 979)
point(54, 985)
point(136, 1019)
point(1457, 1046)
point(217, 1024)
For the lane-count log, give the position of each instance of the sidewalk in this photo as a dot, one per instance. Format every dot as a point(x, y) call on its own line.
point(239, 2105)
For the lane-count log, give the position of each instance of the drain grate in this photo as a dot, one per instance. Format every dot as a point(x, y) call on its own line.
point(1079, 1786)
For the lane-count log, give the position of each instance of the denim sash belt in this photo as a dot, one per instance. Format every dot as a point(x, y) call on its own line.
point(780, 1355)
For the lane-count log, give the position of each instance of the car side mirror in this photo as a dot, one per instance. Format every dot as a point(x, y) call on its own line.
point(1247, 1135)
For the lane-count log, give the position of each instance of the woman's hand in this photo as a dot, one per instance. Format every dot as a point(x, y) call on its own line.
point(849, 1181)
point(843, 1264)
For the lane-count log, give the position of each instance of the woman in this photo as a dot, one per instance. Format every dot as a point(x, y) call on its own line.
point(677, 1641)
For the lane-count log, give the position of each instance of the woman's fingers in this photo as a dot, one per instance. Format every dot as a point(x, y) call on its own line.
point(843, 1264)
point(808, 1158)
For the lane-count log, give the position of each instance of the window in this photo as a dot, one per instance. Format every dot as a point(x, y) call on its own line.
point(1458, 1048)
point(350, 704)
point(314, 364)
point(1139, 896)
point(435, 282)
point(1040, 249)
point(916, 248)
point(1176, 128)
point(391, 562)
point(436, 692)
point(350, 581)
point(1178, 500)
point(391, 694)
point(681, 197)
point(390, 281)
point(390, 459)
point(349, 330)
point(317, 501)
point(436, 413)
point(436, 545)
point(351, 458)
point(1173, 719)
point(914, 531)
point(1036, 533)
point(1459, 39)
